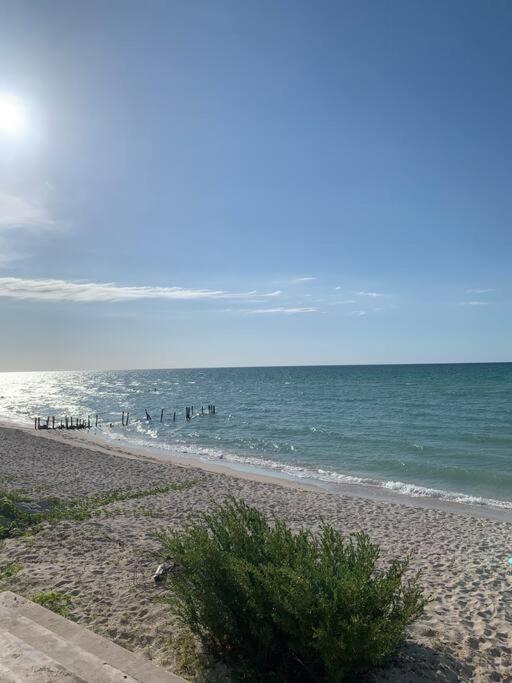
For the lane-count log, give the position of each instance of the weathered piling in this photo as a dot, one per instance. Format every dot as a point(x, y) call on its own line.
point(162, 415)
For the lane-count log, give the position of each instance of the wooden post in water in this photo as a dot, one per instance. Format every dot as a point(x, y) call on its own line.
point(122, 419)
point(88, 421)
point(53, 421)
point(162, 415)
point(148, 416)
point(127, 418)
point(71, 425)
point(174, 416)
point(96, 423)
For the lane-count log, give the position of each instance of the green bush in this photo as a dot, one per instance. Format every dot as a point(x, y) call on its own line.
point(278, 605)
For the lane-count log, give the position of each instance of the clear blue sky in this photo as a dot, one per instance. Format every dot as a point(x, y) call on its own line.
point(259, 182)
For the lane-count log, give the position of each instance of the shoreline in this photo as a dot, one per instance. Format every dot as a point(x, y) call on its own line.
point(121, 448)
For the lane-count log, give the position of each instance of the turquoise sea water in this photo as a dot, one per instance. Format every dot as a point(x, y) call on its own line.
point(425, 430)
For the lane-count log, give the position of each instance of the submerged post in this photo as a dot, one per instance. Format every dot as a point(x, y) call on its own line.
point(122, 419)
point(127, 418)
point(96, 423)
point(174, 416)
point(162, 415)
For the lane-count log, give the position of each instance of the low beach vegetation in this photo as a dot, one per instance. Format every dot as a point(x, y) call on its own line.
point(274, 604)
point(8, 571)
point(57, 602)
point(21, 515)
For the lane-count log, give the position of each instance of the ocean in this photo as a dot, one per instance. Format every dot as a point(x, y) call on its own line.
point(438, 431)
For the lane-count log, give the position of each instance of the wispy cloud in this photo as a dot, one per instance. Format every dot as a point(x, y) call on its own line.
point(89, 292)
point(343, 302)
point(337, 289)
point(474, 303)
point(373, 294)
point(22, 221)
point(283, 309)
point(358, 313)
point(479, 291)
point(18, 212)
point(303, 279)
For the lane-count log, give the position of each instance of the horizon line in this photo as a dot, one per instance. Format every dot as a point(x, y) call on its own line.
point(263, 367)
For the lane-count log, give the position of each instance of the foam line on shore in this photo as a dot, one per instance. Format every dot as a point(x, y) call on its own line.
point(261, 469)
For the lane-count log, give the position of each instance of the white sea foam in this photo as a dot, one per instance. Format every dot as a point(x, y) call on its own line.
point(299, 472)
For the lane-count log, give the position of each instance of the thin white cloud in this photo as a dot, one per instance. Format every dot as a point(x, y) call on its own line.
point(23, 221)
point(304, 279)
point(479, 291)
point(283, 309)
point(21, 213)
point(358, 313)
point(373, 294)
point(343, 302)
point(474, 303)
point(89, 292)
point(337, 288)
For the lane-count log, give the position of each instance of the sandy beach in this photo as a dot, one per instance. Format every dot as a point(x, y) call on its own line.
point(105, 563)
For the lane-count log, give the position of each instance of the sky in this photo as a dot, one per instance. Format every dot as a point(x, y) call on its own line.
point(192, 184)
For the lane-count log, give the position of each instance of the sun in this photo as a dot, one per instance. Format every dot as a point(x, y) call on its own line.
point(13, 115)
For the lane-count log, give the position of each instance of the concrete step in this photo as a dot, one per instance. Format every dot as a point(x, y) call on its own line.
point(39, 645)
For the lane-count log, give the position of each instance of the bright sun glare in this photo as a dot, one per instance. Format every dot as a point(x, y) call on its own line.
point(13, 115)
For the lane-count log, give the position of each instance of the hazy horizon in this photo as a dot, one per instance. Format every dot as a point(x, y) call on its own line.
point(251, 185)
point(242, 367)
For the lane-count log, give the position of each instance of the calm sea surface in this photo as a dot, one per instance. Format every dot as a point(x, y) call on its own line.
point(426, 430)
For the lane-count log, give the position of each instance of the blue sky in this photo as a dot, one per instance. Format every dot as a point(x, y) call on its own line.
point(251, 183)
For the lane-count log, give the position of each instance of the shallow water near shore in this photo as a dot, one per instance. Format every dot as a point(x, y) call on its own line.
point(434, 431)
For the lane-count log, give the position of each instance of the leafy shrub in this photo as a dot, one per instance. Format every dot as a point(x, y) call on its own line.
point(278, 605)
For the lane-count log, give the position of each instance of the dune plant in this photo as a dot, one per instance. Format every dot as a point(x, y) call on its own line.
point(277, 605)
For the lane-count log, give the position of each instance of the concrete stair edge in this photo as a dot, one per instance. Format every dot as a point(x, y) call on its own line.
point(73, 647)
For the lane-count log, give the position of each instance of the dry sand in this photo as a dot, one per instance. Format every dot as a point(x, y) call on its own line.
point(105, 563)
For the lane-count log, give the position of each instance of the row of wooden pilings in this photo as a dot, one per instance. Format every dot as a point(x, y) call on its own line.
point(65, 423)
point(51, 422)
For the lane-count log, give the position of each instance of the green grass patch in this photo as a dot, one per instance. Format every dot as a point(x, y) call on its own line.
point(276, 605)
point(20, 515)
point(8, 571)
point(60, 603)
